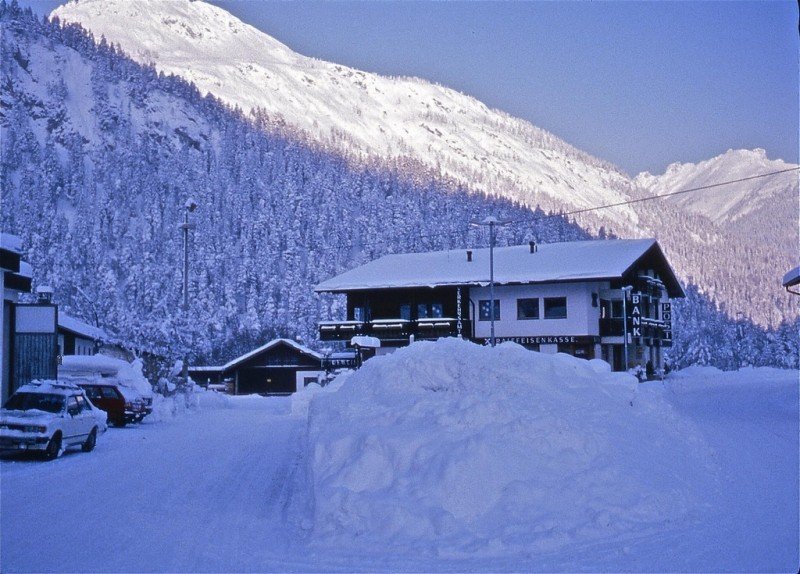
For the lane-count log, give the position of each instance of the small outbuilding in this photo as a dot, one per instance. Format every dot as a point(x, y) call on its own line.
point(76, 337)
point(280, 367)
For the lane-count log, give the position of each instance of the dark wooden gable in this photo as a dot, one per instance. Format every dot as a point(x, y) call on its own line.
point(654, 258)
point(281, 354)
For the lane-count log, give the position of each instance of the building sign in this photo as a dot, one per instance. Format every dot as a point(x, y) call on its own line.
point(547, 340)
point(635, 316)
point(666, 316)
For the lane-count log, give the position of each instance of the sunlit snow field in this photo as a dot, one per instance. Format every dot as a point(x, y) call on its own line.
point(440, 457)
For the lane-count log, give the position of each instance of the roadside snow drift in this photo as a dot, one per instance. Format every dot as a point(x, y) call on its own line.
point(457, 449)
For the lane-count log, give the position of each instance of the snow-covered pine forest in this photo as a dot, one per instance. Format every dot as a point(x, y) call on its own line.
point(727, 239)
point(99, 155)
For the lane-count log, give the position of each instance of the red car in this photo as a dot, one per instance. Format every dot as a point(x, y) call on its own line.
point(108, 397)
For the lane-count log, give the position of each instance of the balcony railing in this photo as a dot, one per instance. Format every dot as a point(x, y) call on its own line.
point(393, 329)
point(649, 328)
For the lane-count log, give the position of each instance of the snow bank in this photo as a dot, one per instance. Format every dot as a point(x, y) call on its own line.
point(453, 448)
point(167, 408)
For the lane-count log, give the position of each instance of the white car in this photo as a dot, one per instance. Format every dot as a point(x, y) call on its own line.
point(49, 416)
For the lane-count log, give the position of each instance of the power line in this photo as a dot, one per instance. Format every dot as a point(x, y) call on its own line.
point(537, 217)
point(671, 193)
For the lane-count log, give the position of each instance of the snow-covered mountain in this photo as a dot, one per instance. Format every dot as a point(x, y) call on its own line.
point(341, 119)
point(98, 155)
point(452, 135)
point(432, 132)
point(730, 203)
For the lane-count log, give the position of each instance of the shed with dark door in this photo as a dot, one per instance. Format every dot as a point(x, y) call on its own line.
point(280, 367)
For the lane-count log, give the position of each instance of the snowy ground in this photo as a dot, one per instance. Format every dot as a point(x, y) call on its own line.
point(229, 489)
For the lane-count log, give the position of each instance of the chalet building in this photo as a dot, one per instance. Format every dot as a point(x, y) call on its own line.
point(571, 297)
point(282, 366)
point(78, 338)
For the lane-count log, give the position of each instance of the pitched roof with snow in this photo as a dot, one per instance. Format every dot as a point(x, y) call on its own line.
point(237, 361)
point(792, 278)
point(552, 262)
point(10, 242)
point(80, 328)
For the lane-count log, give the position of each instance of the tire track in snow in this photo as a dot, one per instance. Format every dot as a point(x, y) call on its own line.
point(207, 492)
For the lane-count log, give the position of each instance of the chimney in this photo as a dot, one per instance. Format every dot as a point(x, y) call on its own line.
point(469, 255)
point(533, 246)
point(44, 295)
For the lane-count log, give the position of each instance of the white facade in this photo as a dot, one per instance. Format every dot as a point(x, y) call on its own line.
point(582, 318)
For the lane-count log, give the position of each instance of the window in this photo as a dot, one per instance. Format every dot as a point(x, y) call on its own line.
point(527, 309)
point(72, 406)
point(485, 310)
point(430, 311)
point(405, 312)
point(359, 313)
point(555, 308)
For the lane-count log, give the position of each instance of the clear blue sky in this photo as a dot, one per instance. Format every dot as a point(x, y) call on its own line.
point(640, 84)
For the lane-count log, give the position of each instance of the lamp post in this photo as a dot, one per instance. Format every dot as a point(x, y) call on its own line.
point(190, 206)
point(625, 290)
point(491, 222)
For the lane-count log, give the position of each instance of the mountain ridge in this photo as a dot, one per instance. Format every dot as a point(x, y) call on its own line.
point(509, 157)
point(97, 211)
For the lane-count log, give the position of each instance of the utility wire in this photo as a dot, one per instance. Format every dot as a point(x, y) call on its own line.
point(536, 217)
point(660, 195)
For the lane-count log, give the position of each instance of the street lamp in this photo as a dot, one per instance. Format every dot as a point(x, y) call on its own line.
point(625, 290)
point(190, 206)
point(491, 222)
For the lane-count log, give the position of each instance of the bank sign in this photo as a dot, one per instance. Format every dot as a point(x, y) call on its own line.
point(658, 329)
point(636, 315)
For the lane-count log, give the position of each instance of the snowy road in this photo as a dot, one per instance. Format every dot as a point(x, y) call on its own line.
point(224, 490)
point(206, 492)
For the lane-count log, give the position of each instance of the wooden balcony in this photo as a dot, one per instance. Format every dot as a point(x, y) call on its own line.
point(397, 330)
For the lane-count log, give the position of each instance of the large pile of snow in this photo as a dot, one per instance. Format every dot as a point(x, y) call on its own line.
point(196, 398)
point(467, 449)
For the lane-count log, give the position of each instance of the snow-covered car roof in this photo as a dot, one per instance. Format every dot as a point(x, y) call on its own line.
point(50, 387)
point(74, 364)
point(94, 368)
point(129, 393)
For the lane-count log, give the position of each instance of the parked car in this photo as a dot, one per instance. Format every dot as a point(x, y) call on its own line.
point(49, 417)
point(111, 398)
point(101, 369)
point(134, 403)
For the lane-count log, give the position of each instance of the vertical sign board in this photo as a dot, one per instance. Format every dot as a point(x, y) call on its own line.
point(35, 353)
point(635, 316)
point(666, 316)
